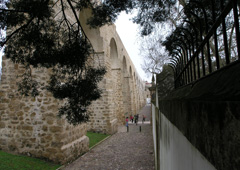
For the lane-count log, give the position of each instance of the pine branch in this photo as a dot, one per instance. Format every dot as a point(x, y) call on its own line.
point(16, 31)
point(13, 10)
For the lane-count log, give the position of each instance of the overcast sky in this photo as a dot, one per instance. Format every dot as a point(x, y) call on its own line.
point(128, 32)
point(1, 58)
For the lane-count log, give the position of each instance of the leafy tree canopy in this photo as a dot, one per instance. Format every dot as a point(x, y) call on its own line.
point(40, 34)
point(149, 12)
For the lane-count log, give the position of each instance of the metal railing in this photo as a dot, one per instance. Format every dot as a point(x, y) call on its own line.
point(198, 50)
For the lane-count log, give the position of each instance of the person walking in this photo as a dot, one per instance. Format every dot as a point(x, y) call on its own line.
point(126, 121)
point(143, 119)
point(131, 118)
point(136, 119)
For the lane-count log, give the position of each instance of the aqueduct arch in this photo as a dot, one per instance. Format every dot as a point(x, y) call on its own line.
point(29, 125)
point(93, 34)
point(113, 54)
point(126, 88)
point(115, 87)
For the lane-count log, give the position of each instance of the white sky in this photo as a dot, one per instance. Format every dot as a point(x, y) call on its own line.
point(128, 32)
point(1, 58)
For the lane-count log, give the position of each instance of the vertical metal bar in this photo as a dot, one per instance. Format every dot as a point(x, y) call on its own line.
point(208, 46)
point(175, 81)
point(183, 65)
point(198, 65)
point(194, 65)
point(188, 53)
point(200, 30)
point(186, 68)
point(197, 55)
point(236, 24)
point(202, 51)
point(194, 68)
point(177, 69)
point(185, 74)
point(209, 57)
point(189, 66)
point(174, 74)
point(215, 36)
point(183, 78)
point(203, 61)
point(180, 69)
point(225, 37)
point(184, 61)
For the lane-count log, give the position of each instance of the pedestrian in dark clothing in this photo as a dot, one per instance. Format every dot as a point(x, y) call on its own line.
point(136, 119)
point(143, 119)
point(131, 118)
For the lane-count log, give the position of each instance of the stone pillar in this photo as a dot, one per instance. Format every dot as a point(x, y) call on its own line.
point(30, 126)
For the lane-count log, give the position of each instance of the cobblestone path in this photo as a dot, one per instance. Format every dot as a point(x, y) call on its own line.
point(124, 150)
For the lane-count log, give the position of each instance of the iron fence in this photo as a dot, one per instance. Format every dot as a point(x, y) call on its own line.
point(207, 40)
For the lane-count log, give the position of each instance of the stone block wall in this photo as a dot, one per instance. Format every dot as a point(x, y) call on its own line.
point(30, 126)
point(119, 96)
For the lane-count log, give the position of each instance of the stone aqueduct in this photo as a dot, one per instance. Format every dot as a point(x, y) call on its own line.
point(30, 125)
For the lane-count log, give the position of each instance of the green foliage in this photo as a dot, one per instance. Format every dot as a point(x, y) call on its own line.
point(36, 39)
point(28, 86)
point(15, 162)
point(107, 12)
point(149, 12)
point(95, 138)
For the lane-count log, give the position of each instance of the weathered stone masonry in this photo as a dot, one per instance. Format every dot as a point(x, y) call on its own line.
point(123, 89)
point(30, 125)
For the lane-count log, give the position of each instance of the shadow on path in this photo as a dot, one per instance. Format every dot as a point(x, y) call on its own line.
point(124, 150)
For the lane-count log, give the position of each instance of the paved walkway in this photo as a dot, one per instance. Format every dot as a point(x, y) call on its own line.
point(124, 150)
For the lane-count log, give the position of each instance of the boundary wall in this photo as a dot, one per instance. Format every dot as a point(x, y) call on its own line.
point(206, 113)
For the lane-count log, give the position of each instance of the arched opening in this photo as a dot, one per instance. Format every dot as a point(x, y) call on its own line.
point(126, 88)
point(135, 101)
point(113, 54)
point(130, 71)
point(124, 63)
point(93, 34)
point(115, 85)
point(133, 111)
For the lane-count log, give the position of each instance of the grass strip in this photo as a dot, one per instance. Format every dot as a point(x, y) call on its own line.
point(16, 162)
point(95, 138)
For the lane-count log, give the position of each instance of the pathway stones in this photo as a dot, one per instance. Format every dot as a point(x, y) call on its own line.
point(124, 150)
